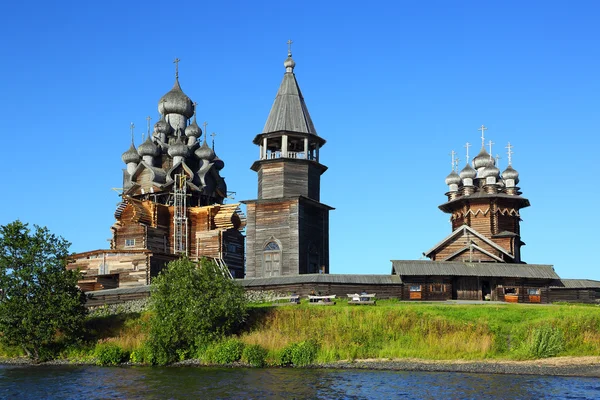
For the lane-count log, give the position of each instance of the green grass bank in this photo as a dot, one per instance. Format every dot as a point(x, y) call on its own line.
point(307, 334)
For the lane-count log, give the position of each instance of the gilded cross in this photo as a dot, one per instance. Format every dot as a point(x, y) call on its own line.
point(482, 129)
point(467, 146)
point(510, 153)
point(289, 43)
point(176, 62)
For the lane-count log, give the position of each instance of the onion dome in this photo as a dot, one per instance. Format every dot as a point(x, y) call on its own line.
point(204, 152)
point(483, 159)
point(162, 126)
point(193, 130)
point(178, 149)
point(218, 163)
point(468, 172)
point(489, 171)
point(510, 173)
point(453, 179)
point(289, 64)
point(148, 148)
point(176, 102)
point(131, 155)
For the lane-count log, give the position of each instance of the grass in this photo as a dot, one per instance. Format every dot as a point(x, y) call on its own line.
point(389, 330)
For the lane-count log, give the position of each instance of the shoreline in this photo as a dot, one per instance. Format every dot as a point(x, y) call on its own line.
point(588, 366)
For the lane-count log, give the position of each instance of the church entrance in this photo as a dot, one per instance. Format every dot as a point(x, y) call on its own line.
point(272, 259)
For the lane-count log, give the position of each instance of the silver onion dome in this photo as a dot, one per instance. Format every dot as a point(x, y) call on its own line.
point(193, 129)
point(488, 171)
point(204, 152)
point(162, 126)
point(148, 148)
point(510, 173)
point(468, 172)
point(131, 155)
point(483, 159)
point(453, 179)
point(178, 149)
point(218, 163)
point(176, 102)
point(289, 64)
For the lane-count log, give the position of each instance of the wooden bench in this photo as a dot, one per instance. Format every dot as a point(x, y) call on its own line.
point(287, 300)
point(363, 298)
point(321, 300)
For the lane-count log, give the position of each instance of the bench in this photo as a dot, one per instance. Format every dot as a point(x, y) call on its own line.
point(363, 298)
point(286, 300)
point(321, 300)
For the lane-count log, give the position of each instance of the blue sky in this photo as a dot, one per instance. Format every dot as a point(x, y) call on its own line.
point(393, 86)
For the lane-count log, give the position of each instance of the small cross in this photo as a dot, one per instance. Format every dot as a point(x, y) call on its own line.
point(456, 162)
point(148, 118)
point(176, 62)
point(490, 143)
point(452, 154)
point(213, 140)
point(467, 146)
point(131, 127)
point(498, 160)
point(289, 43)
point(195, 104)
point(205, 133)
point(482, 129)
point(510, 153)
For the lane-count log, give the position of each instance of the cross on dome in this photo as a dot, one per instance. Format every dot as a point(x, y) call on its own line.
point(176, 62)
point(467, 146)
point(490, 143)
point(452, 154)
point(205, 124)
point(213, 140)
point(482, 129)
point(289, 43)
point(148, 118)
point(510, 153)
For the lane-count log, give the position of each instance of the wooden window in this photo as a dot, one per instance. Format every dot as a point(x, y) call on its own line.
point(437, 288)
point(415, 288)
point(510, 290)
point(129, 242)
point(533, 292)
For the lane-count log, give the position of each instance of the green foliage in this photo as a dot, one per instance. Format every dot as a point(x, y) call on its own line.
point(254, 355)
point(41, 307)
point(285, 356)
point(142, 355)
point(545, 341)
point(190, 301)
point(108, 353)
point(226, 352)
point(304, 353)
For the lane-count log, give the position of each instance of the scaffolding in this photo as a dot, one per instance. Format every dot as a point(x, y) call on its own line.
point(180, 223)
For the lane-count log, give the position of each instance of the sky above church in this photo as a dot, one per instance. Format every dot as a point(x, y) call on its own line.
point(393, 86)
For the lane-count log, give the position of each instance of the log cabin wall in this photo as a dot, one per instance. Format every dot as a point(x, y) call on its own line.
point(233, 251)
point(314, 238)
point(267, 221)
point(430, 288)
point(289, 178)
point(459, 243)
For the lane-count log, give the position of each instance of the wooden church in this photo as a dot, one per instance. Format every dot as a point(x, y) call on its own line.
point(173, 205)
point(481, 258)
point(287, 231)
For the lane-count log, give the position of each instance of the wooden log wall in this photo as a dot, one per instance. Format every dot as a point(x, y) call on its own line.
point(426, 292)
point(590, 296)
point(313, 231)
point(132, 268)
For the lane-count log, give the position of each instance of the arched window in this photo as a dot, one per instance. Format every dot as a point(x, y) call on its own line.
point(272, 259)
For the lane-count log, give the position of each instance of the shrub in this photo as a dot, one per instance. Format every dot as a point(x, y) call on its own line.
point(304, 353)
point(110, 354)
point(142, 355)
point(190, 300)
point(286, 354)
point(544, 342)
point(254, 355)
point(227, 351)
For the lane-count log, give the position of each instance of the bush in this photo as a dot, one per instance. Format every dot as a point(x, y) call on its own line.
point(254, 355)
point(299, 354)
point(110, 354)
point(190, 301)
point(544, 342)
point(227, 351)
point(142, 355)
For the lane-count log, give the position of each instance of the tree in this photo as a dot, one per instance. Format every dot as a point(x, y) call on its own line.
point(40, 303)
point(192, 304)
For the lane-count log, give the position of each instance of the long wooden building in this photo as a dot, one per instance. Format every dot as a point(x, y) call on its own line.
point(172, 205)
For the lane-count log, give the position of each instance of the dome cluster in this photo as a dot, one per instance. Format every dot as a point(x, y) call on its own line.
point(484, 175)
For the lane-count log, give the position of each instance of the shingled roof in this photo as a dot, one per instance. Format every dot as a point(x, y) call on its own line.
point(453, 268)
point(289, 112)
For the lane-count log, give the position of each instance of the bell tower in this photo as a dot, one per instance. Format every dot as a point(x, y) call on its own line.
point(287, 232)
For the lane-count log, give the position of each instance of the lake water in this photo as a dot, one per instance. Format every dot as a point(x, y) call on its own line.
point(76, 382)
